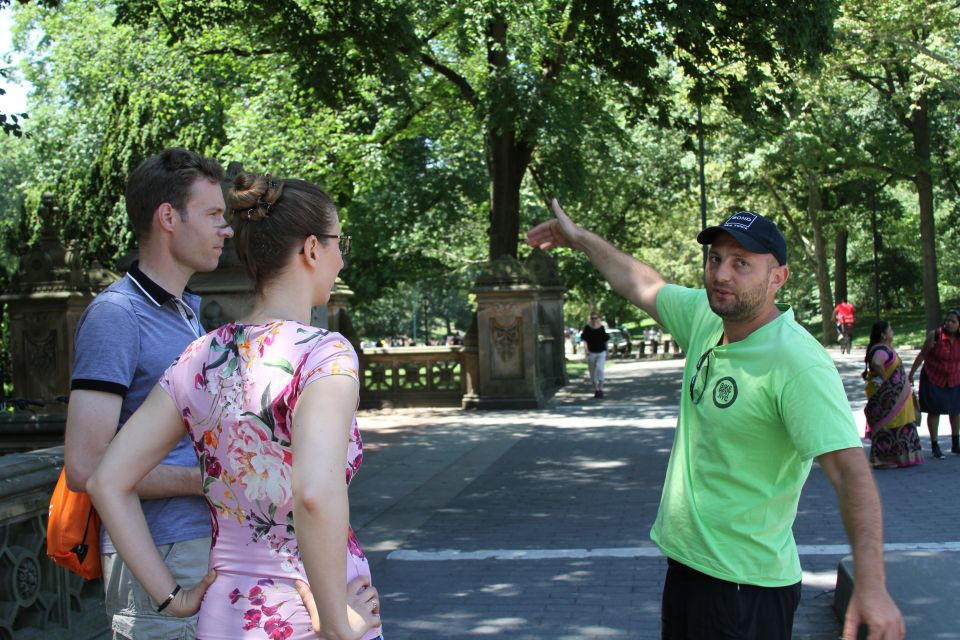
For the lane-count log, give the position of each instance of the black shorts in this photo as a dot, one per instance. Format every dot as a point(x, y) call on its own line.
point(700, 607)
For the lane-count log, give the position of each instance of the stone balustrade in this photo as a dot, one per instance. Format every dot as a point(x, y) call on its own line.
point(37, 598)
point(414, 376)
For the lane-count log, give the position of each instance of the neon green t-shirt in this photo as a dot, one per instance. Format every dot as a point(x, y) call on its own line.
point(770, 404)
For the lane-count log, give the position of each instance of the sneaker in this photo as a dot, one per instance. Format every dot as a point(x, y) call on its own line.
point(937, 454)
point(600, 394)
point(596, 394)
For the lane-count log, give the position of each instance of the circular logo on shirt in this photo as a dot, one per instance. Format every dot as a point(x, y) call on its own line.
point(724, 392)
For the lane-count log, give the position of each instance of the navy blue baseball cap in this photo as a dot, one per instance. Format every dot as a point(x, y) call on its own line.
point(753, 231)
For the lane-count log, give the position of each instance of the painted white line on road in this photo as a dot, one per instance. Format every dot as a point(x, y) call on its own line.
point(523, 554)
point(632, 552)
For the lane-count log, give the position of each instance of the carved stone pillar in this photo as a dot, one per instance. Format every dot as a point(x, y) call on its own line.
point(507, 331)
point(47, 297)
point(550, 322)
point(337, 317)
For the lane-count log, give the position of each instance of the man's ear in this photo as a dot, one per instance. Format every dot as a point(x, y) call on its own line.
point(779, 276)
point(166, 216)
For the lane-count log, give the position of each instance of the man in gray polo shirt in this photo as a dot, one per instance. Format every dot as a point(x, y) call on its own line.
point(126, 338)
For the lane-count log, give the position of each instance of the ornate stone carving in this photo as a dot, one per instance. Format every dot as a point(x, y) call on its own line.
point(40, 349)
point(505, 337)
point(27, 579)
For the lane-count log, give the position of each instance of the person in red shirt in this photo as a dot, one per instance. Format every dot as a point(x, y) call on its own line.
point(843, 315)
point(940, 380)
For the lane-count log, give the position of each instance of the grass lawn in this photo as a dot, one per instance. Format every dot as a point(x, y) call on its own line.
point(576, 369)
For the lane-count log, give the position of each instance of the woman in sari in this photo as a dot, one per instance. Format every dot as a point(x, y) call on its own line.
point(891, 418)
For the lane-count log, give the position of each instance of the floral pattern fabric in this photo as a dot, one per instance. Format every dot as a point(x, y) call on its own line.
point(236, 389)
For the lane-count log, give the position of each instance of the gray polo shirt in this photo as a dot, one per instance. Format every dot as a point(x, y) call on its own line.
point(126, 338)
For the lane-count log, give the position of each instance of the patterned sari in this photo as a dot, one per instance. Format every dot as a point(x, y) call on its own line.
point(891, 419)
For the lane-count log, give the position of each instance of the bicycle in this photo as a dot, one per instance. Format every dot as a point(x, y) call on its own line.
point(844, 337)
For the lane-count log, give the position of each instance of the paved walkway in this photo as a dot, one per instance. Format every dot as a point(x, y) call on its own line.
point(534, 524)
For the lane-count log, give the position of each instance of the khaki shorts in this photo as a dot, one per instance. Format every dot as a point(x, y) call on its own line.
point(133, 615)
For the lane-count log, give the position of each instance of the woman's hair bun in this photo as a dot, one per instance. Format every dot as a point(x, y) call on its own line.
point(253, 195)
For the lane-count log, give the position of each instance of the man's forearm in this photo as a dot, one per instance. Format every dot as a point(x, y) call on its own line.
point(170, 481)
point(637, 282)
point(862, 516)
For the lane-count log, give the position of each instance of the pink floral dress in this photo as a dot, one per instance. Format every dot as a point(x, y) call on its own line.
point(236, 389)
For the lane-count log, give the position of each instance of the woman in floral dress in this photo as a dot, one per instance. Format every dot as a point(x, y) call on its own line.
point(257, 396)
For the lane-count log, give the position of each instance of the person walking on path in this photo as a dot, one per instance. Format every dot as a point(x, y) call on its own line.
point(940, 380)
point(760, 400)
point(891, 419)
point(125, 338)
point(269, 403)
point(844, 315)
point(596, 338)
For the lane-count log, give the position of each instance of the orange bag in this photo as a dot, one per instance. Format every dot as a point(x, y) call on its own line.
point(73, 531)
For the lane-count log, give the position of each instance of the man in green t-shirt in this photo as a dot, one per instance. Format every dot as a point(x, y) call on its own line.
point(760, 400)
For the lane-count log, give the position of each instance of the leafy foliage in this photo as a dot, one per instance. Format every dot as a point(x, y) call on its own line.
point(441, 129)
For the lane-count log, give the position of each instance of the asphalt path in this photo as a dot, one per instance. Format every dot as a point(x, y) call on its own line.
point(535, 524)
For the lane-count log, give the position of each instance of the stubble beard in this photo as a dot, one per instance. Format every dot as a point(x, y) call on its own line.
point(744, 305)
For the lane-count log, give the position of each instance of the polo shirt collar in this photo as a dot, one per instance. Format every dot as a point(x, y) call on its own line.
point(157, 294)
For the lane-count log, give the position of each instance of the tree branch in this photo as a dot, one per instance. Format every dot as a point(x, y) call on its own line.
point(466, 91)
point(402, 125)
point(236, 51)
point(553, 65)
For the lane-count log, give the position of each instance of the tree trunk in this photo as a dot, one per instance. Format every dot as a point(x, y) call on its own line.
point(507, 156)
point(928, 245)
point(507, 162)
point(840, 265)
point(814, 205)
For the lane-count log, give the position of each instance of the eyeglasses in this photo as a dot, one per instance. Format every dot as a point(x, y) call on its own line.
point(703, 366)
point(344, 242)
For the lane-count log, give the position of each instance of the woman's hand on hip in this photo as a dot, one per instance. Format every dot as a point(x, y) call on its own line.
point(363, 607)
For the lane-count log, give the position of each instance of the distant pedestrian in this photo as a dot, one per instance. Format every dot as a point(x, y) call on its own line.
point(940, 380)
point(596, 338)
point(844, 315)
point(760, 400)
point(891, 419)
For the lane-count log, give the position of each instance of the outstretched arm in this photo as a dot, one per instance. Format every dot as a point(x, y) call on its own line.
point(870, 604)
point(637, 282)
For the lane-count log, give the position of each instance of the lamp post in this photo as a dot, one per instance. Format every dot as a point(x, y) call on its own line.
point(426, 323)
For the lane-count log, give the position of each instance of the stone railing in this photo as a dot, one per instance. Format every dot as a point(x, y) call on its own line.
point(37, 598)
point(29, 431)
point(414, 376)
